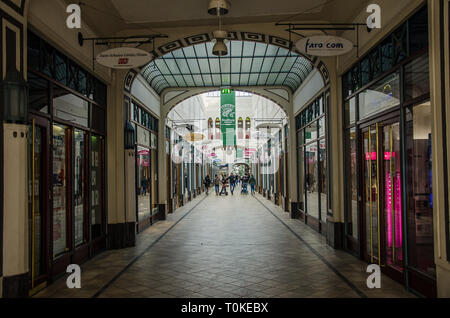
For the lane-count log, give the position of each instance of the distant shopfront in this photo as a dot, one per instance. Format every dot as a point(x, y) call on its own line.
point(66, 160)
point(146, 127)
point(312, 163)
point(388, 164)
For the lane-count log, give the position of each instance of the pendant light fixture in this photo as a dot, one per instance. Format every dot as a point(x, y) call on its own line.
point(219, 8)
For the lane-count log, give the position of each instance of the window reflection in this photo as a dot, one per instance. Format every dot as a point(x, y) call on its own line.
point(60, 135)
point(69, 107)
point(419, 188)
point(351, 177)
point(79, 189)
point(143, 181)
point(379, 97)
point(96, 185)
point(312, 184)
point(417, 78)
point(38, 93)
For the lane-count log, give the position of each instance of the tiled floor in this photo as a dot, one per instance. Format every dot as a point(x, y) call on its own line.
point(227, 247)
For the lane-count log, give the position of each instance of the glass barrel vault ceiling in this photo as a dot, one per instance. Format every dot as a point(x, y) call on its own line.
point(247, 64)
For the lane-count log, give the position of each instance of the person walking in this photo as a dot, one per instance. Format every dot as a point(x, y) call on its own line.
point(207, 183)
point(244, 184)
point(232, 179)
point(217, 184)
point(252, 183)
point(224, 186)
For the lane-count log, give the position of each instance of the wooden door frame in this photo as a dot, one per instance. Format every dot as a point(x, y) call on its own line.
point(44, 123)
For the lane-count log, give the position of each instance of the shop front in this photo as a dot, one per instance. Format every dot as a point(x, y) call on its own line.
point(66, 162)
point(146, 127)
point(388, 164)
point(312, 153)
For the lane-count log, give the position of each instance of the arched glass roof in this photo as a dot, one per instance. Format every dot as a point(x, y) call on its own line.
point(247, 64)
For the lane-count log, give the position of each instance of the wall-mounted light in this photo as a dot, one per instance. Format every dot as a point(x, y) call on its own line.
point(14, 97)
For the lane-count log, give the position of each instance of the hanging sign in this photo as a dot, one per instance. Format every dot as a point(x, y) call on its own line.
point(324, 45)
point(124, 58)
point(228, 117)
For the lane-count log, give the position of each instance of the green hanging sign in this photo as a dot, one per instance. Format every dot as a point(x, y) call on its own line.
point(228, 117)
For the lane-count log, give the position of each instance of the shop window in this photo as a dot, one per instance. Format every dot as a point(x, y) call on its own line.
point(383, 95)
point(419, 188)
point(400, 41)
point(300, 137)
point(387, 55)
point(60, 68)
point(96, 186)
point(38, 93)
point(352, 181)
point(311, 132)
point(79, 186)
point(375, 64)
point(350, 111)
point(347, 84)
point(417, 78)
point(143, 184)
point(143, 137)
point(312, 180)
point(322, 128)
point(418, 31)
point(365, 71)
point(100, 93)
point(69, 107)
point(81, 83)
point(59, 181)
point(355, 79)
point(46, 60)
point(72, 75)
point(323, 184)
point(34, 48)
point(98, 119)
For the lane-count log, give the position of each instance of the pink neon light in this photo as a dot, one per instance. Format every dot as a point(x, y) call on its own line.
point(397, 211)
point(387, 155)
point(373, 154)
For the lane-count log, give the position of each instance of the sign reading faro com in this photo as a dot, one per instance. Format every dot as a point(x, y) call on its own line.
point(324, 45)
point(124, 58)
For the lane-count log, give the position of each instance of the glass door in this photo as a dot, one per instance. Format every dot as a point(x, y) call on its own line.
point(79, 189)
point(371, 205)
point(38, 199)
point(382, 209)
point(61, 238)
point(392, 196)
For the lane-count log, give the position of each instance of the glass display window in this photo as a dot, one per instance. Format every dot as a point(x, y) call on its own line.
point(381, 96)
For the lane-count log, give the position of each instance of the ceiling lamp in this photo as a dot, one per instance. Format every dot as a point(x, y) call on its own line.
point(219, 7)
point(220, 49)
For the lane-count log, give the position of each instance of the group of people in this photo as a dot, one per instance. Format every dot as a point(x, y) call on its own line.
point(232, 180)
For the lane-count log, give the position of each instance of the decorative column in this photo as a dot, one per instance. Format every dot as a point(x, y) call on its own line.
point(335, 222)
point(117, 104)
point(14, 103)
